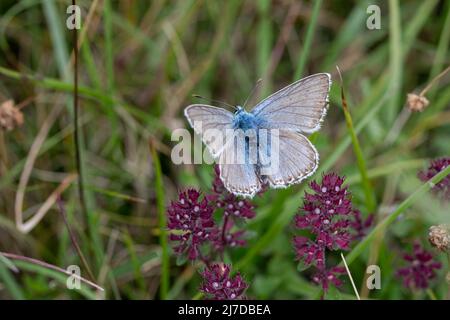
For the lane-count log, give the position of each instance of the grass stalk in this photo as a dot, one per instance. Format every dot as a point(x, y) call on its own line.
point(77, 138)
point(395, 59)
point(48, 266)
point(264, 44)
point(304, 55)
point(8, 280)
point(368, 190)
point(165, 267)
point(74, 241)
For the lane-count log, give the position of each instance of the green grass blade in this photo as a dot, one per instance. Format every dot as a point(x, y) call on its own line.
point(348, 32)
point(423, 189)
point(395, 60)
point(134, 261)
point(159, 187)
point(9, 281)
point(109, 52)
point(57, 34)
point(368, 190)
point(59, 277)
point(441, 52)
point(264, 41)
point(303, 58)
point(87, 92)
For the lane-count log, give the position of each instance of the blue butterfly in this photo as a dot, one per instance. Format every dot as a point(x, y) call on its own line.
point(293, 112)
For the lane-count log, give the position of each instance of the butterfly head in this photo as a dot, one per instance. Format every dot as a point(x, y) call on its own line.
point(244, 120)
point(239, 109)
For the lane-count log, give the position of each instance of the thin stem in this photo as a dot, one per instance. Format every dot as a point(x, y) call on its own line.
point(432, 82)
point(205, 260)
point(224, 230)
point(75, 124)
point(73, 239)
point(164, 289)
point(43, 264)
point(350, 277)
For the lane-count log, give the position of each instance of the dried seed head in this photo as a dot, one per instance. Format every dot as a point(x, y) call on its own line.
point(439, 236)
point(10, 116)
point(416, 103)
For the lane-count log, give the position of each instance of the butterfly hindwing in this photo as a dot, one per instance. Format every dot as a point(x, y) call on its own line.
point(300, 106)
point(298, 159)
point(237, 170)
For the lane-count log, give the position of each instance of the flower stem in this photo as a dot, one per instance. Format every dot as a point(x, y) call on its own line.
point(224, 230)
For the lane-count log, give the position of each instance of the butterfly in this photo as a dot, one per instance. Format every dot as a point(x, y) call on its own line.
point(293, 112)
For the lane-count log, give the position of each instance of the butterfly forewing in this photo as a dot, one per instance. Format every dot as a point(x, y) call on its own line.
point(300, 106)
point(211, 123)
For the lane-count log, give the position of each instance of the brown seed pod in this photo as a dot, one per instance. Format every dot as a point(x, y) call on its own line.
point(10, 116)
point(439, 237)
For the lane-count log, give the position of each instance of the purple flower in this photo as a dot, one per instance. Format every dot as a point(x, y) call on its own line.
point(327, 217)
point(325, 277)
point(442, 188)
point(235, 209)
point(227, 238)
point(309, 252)
point(192, 218)
point(218, 285)
point(360, 226)
point(421, 268)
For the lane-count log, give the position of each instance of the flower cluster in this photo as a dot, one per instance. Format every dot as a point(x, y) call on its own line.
point(443, 187)
point(325, 277)
point(219, 285)
point(192, 218)
point(326, 217)
point(329, 217)
point(359, 226)
point(234, 209)
point(420, 270)
point(198, 236)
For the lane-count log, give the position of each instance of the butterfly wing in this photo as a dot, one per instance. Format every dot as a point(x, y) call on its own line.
point(297, 159)
point(204, 119)
point(237, 171)
point(300, 106)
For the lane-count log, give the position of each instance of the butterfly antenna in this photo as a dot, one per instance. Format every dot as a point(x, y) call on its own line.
point(212, 100)
point(252, 92)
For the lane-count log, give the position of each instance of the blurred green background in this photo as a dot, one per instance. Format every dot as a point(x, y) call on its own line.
point(139, 64)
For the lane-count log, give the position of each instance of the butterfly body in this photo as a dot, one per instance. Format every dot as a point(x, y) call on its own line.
point(245, 120)
point(287, 115)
